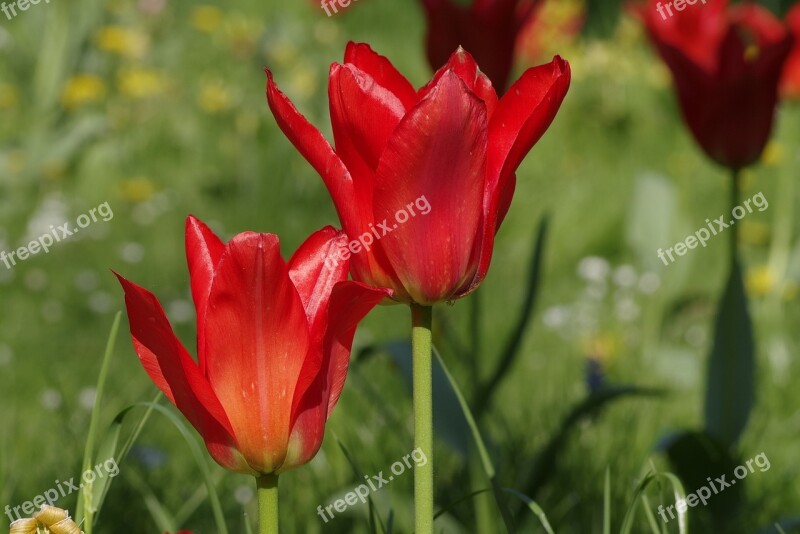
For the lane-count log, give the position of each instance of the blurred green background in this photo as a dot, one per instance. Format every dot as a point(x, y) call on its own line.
point(158, 108)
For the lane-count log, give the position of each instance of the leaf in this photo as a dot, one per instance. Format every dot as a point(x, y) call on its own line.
point(447, 419)
point(695, 457)
point(85, 501)
point(511, 350)
point(546, 461)
point(360, 475)
point(601, 17)
point(535, 508)
point(677, 491)
point(488, 467)
point(730, 391)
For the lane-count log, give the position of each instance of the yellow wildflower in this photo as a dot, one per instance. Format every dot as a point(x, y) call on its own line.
point(214, 97)
point(140, 83)
point(206, 18)
point(124, 41)
point(760, 281)
point(82, 89)
point(137, 189)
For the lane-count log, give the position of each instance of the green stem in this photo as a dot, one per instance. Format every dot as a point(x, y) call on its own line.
point(267, 504)
point(422, 360)
point(734, 230)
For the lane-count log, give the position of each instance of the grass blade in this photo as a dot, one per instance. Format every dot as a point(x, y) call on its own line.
point(488, 467)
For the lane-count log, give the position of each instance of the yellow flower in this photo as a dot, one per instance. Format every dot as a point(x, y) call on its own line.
point(126, 42)
point(55, 520)
point(214, 97)
point(760, 281)
point(8, 96)
point(82, 89)
point(206, 18)
point(137, 189)
point(140, 83)
point(242, 34)
point(773, 154)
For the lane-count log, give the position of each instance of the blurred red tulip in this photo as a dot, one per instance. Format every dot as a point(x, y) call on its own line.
point(273, 342)
point(487, 29)
point(452, 143)
point(790, 84)
point(726, 63)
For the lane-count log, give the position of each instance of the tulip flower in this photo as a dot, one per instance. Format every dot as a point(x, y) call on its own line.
point(790, 83)
point(421, 181)
point(453, 144)
point(487, 29)
point(726, 63)
point(273, 341)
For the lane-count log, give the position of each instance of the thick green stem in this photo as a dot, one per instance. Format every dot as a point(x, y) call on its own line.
point(267, 504)
point(422, 358)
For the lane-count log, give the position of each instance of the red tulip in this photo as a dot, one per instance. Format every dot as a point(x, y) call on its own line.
point(487, 29)
point(726, 63)
point(790, 84)
point(273, 342)
point(452, 143)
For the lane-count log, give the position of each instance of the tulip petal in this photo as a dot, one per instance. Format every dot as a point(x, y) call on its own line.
point(178, 376)
point(203, 251)
point(382, 71)
point(317, 151)
point(350, 302)
point(465, 67)
point(314, 269)
point(256, 341)
point(521, 118)
point(437, 151)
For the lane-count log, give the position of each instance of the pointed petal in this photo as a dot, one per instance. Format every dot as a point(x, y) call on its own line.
point(317, 151)
point(382, 71)
point(437, 152)
point(314, 269)
point(464, 66)
point(521, 118)
point(256, 342)
point(203, 251)
point(176, 374)
point(350, 303)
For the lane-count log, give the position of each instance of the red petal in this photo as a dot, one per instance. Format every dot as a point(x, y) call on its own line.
point(256, 342)
point(382, 71)
point(176, 374)
point(203, 251)
point(350, 303)
point(438, 152)
point(314, 269)
point(465, 67)
point(317, 151)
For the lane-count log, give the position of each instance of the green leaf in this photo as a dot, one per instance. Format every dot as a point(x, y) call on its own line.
point(730, 390)
point(488, 467)
point(447, 420)
point(695, 457)
point(373, 514)
point(607, 503)
point(601, 17)
point(511, 350)
point(639, 496)
point(85, 505)
point(546, 461)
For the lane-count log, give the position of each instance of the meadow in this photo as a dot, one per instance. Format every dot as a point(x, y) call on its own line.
point(158, 109)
